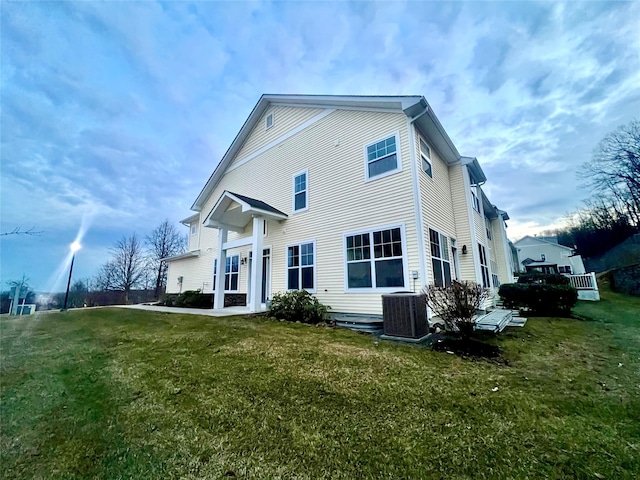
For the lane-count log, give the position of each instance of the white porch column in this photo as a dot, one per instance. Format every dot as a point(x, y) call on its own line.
point(256, 265)
point(218, 297)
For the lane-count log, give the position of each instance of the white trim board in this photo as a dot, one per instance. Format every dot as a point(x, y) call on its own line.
point(281, 139)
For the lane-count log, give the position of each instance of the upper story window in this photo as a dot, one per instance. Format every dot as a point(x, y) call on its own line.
point(382, 157)
point(268, 122)
point(194, 229)
point(489, 231)
point(440, 259)
point(425, 155)
point(564, 269)
point(301, 267)
point(300, 192)
point(475, 201)
point(543, 257)
point(375, 259)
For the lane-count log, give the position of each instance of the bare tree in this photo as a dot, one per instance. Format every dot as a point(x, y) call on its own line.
point(164, 241)
point(19, 231)
point(128, 264)
point(614, 170)
point(456, 305)
point(105, 279)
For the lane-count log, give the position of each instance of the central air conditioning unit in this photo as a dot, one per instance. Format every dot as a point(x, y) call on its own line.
point(404, 316)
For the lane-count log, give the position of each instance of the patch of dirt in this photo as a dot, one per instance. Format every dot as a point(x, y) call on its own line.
point(464, 347)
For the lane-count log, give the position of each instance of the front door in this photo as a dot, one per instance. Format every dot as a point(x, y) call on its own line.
point(266, 275)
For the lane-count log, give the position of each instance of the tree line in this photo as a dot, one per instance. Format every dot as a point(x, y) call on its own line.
point(612, 213)
point(135, 272)
point(138, 263)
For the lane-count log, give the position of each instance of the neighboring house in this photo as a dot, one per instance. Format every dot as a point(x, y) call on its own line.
point(545, 254)
point(348, 197)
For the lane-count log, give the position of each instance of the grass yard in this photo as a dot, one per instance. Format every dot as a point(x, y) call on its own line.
point(115, 394)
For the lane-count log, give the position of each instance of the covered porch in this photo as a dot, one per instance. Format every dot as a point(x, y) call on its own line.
point(234, 212)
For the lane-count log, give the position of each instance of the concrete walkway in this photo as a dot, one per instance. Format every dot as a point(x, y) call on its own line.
point(225, 312)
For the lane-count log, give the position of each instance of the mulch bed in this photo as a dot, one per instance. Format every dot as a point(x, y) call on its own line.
point(463, 347)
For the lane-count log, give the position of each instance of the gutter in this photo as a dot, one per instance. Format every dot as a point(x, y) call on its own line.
point(417, 200)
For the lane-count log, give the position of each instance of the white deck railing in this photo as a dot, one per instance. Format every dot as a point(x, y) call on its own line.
point(586, 281)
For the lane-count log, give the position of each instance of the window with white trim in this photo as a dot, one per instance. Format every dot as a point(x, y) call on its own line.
point(484, 266)
point(382, 268)
point(440, 259)
point(564, 269)
point(231, 273)
point(382, 157)
point(488, 230)
point(494, 275)
point(543, 257)
point(425, 155)
point(268, 122)
point(300, 191)
point(301, 267)
point(194, 229)
point(475, 201)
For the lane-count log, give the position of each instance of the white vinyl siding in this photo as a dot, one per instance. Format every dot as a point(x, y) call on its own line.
point(288, 118)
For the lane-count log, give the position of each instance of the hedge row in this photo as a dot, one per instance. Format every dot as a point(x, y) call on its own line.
point(189, 298)
point(540, 298)
point(548, 278)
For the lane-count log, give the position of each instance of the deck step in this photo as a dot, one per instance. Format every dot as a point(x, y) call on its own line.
point(494, 321)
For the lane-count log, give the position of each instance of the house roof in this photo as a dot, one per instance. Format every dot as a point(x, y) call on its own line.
point(259, 204)
point(234, 212)
point(189, 220)
point(475, 170)
point(182, 256)
point(542, 240)
point(414, 107)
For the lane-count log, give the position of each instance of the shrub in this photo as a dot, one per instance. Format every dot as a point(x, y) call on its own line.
point(548, 278)
point(298, 305)
point(188, 298)
point(540, 298)
point(456, 305)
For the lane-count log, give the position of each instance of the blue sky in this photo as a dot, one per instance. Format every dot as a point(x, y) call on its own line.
point(115, 114)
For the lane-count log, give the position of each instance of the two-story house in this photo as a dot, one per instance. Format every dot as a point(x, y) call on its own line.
point(545, 254)
point(347, 197)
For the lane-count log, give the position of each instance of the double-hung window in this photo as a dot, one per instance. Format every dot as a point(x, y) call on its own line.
point(300, 192)
point(382, 157)
point(301, 267)
point(375, 259)
point(484, 266)
point(231, 273)
point(494, 274)
point(440, 259)
point(425, 155)
point(475, 200)
point(564, 269)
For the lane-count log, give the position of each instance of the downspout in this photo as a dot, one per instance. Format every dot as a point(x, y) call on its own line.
point(417, 200)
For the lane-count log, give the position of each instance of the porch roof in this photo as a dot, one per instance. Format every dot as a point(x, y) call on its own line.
point(234, 211)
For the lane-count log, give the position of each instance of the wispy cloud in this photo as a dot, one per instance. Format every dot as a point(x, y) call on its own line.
point(124, 109)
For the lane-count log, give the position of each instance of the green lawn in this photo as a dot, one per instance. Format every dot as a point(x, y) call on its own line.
point(115, 394)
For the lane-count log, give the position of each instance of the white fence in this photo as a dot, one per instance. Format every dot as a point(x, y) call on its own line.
point(586, 285)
